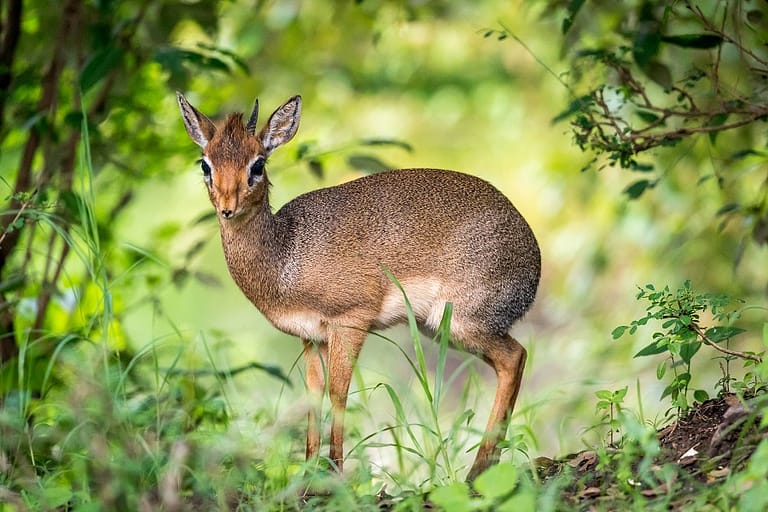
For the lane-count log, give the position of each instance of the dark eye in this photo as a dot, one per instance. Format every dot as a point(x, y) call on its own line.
point(206, 170)
point(256, 170)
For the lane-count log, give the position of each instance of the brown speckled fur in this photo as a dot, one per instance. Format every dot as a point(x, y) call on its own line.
point(315, 267)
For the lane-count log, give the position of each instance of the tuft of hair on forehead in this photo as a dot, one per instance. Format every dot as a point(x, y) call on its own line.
point(229, 141)
point(233, 127)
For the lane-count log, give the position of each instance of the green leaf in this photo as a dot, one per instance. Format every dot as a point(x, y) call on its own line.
point(316, 168)
point(720, 333)
point(619, 331)
point(765, 334)
point(573, 8)
point(699, 41)
point(659, 73)
point(688, 350)
point(645, 45)
point(728, 208)
point(498, 481)
point(652, 349)
point(661, 370)
point(744, 153)
point(577, 105)
point(716, 120)
point(640, 167)
point(637, 188)
point(387, 142)
point(367, 163)
point(700, 395)
point(239, 62)
point(453, 497)
point(619, 394)
point(99, 65)
point(648, 117)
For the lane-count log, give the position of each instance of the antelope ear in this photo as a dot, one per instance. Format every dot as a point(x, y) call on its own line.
point(251, 126)
point(200, 128)
point(282, 125)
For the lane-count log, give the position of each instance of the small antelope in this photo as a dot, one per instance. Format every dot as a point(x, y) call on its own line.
point(315, 268)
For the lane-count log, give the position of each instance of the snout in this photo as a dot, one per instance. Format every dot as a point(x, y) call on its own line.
point(226, 203)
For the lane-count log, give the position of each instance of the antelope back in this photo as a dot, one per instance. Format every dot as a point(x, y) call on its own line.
point(235, 155)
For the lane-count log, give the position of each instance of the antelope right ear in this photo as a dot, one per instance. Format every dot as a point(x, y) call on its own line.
point(200, 128)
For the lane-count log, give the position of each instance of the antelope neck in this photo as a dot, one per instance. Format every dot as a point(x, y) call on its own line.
point(253, 247)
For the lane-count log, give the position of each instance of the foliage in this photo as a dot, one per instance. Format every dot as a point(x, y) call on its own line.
point(663, 74)
point(683, 334)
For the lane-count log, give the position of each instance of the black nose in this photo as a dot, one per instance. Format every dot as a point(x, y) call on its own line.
point(226, 213)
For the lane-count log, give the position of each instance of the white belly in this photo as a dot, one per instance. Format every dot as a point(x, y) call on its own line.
point(424, 296)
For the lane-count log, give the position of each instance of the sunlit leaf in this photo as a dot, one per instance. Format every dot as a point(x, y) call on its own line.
point(618, 332)
point(721, 333)
point(454, 497)
point(652, 349)
point(497, 481)
point(700, 395)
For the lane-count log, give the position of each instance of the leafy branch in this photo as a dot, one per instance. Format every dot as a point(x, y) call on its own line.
point(682, 334)
point(629, 115)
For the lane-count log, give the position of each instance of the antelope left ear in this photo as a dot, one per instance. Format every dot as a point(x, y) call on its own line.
point(251, 126)
point(282, 125)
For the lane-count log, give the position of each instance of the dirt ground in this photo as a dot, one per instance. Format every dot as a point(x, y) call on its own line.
point(713, 440)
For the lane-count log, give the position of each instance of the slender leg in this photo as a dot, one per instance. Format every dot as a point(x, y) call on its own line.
point(344, 346)
point(507, 357)
point(316, 360)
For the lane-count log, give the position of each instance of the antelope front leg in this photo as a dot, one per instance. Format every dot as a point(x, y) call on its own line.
point(316, 361)
point(344, 346)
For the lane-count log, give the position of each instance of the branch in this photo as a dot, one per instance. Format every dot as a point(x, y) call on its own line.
point(705, 339)
point(11, 30)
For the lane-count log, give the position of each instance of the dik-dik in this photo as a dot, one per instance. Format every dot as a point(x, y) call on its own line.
point(316, 267)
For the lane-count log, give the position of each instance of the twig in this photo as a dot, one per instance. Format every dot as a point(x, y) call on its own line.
point(10, 225)
point(708, 341)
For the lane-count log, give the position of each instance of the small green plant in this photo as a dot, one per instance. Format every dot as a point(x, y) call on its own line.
point(609, 407)
point(682, 334)
point(502, 488)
